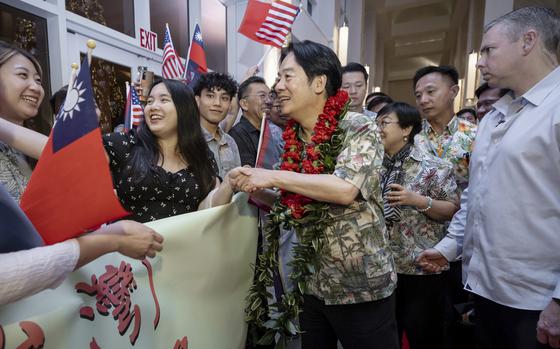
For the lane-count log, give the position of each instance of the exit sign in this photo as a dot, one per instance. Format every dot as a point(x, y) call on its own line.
point(148, 40)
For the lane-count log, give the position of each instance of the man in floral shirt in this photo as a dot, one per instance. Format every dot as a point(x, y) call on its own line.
point(443, 134)
point(350, 281)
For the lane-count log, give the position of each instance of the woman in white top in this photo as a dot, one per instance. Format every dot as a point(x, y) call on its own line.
point(26, 272)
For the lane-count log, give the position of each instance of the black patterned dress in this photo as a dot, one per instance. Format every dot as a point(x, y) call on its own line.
point(161, 193)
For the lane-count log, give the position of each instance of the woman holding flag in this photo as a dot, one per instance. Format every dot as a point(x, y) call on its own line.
point(28, 266)
point(162, 168)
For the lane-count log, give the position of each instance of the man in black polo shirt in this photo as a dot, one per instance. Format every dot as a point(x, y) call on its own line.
point(252, 95)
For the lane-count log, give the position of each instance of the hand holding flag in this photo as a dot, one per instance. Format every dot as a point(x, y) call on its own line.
point(71, 189)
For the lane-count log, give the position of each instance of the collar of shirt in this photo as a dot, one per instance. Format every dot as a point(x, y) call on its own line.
point(451, 127)
point(369, 113)
point(508, 105)
point(208, 137)
point(417, 154)
point(247, 125)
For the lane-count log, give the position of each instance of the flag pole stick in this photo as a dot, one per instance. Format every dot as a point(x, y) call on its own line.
point(73, 74)
point(264, 56)
point(263, 120)
point(91, 45)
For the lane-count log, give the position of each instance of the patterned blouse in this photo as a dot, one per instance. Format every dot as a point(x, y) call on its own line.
point(454, 145)
point(160, 194)
point(430, 176)
point(14, 171)
point(357, 265)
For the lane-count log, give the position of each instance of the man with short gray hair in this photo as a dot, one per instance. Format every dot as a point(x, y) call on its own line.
point(511, 238)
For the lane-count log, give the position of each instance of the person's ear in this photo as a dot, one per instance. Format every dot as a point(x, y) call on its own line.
point(319, 84)
point(243, 104)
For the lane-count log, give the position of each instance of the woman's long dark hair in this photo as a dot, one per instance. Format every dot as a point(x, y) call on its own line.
point(190, 140)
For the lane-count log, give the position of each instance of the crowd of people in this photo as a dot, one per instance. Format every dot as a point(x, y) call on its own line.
point(393, 223)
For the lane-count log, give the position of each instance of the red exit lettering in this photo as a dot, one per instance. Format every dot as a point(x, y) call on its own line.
point(148, 39)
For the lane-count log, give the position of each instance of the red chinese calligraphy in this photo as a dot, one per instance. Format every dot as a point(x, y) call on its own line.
point(182, 344)
point(113, 290)
point(152, 288)
point(93, 344)
point(35, 336)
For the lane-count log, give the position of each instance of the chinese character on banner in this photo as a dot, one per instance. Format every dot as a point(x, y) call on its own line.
point(35, 336)
point(113, 290)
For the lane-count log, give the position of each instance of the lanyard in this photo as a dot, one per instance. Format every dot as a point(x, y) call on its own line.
point(443, 148)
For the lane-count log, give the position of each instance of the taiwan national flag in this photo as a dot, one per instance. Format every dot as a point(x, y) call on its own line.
point(196, 62)
point(71, 190)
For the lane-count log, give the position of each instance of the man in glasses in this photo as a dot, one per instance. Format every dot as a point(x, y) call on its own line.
point(252, 95)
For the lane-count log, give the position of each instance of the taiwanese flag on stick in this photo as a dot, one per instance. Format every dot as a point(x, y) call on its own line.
point(196, 62)
point(71, 189)
point(265, 155)
point(268, 23)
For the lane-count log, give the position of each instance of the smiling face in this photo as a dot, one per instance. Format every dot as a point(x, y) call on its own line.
point(21, 92)
point(254, 102)
point(295, 92)
point(213, 106)
point(391, 133)
point(160, 112)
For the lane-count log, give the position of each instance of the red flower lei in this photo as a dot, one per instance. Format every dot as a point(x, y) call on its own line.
point(292, 159)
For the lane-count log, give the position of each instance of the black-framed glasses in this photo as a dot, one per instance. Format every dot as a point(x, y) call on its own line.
point(381, 125)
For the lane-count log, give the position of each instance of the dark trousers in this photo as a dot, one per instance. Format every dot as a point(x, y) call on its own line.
point(456, 334)
point(420, 310)
point(368, 325)
point(501, 327)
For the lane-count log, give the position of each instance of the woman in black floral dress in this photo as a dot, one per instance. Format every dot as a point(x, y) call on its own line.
point(165, 168)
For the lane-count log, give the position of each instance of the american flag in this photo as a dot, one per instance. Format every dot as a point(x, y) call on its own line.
point(134, 113)
point(172, 67)
point(278, 23)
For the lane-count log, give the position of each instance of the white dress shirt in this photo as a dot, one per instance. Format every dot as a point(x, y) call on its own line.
point(24, 273)
point(511, 251)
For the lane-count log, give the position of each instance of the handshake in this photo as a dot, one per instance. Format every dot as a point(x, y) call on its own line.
point(250, 180)
point(432, 261)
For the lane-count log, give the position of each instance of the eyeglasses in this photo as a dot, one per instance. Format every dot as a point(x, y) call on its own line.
point(381, 125)
point(261, 96)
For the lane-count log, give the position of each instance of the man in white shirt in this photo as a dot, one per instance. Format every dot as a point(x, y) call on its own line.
point(509, 236)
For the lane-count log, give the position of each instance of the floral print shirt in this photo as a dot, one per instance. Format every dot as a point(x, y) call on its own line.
point(14, 171)
point(454, 144)
point(357, 265)
point(430, 176)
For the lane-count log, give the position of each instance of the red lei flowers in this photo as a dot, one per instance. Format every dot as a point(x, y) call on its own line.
point(312, 160)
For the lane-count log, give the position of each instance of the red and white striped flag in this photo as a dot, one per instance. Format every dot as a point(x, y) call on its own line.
point(268, 23)
point(134, 113)
point(172, 67)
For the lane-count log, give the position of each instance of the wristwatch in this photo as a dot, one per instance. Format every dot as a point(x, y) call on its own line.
point(430, 201)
